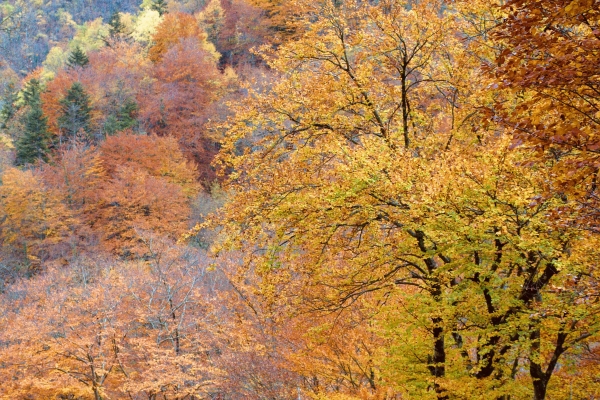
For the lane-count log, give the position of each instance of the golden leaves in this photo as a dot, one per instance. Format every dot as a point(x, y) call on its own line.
point(364, 185)
point(576, 7)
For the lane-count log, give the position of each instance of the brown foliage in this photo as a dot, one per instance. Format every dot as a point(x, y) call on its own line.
point(551, 52)
point(148, 187)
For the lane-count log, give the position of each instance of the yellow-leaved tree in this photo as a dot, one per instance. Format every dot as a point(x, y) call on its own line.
point(34, 219)
point(371, 182)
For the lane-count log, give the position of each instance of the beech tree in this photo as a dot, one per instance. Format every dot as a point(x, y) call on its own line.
point(187, 85)
point(111, 330)
point(406, 201)
point(76, 171)
point(149, 188)
point(365, 179)
point(550, 50)
point(173, 28)
point(35, 222)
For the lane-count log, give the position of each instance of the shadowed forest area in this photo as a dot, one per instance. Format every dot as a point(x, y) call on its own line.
point(326, 200)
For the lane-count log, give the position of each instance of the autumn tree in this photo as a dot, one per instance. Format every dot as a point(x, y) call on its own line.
point(74, 344)
point(550, 50)
point(235, 27)
point(115, 81)
point(212, 19)
point(35, 221)
point(103, 329)
point(116, 78)
point(187, 85)
point(172, 298)
point(76, 171)
point(280, 18)
point(367, 180)
point(176, 27)
point(149, 188)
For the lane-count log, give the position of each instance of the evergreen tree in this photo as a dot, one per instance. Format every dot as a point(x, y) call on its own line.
point(160, 6)
point(123, 119)
point(75, 112)
point(77, 58)
point(116, 28)
point(34, 144)
point(8, 109)
point(31, 92)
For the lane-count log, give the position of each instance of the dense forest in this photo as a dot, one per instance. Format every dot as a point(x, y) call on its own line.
point(326, 199)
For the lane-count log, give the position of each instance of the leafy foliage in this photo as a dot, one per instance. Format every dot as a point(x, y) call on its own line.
point(393, 199)
point(550, 49)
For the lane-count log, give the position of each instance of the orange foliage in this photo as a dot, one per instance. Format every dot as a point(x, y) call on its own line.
point(86, 195)
point(56, 90)
point(148, 188)
point(550, 58)
point(35, 74)
point(159, 157)
point(35, 221)
point(113, 75)
point(244, 28)
point(110, 330)
point(174, 27)
point(77, 173)
point(186, 83)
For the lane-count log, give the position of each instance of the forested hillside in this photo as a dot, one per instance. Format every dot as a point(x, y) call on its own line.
point(328, 200)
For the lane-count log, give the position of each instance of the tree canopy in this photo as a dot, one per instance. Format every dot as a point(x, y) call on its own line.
point(327, 200)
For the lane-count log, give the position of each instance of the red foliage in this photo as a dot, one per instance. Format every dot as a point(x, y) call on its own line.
point(186, 83)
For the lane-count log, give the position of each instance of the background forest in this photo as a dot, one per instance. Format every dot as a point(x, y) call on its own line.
point(329, 200)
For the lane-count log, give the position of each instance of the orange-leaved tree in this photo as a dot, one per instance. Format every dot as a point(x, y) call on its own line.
point(103, 329)
point(175, 27)
point(551, 49)
point(35, 221)
point(187, 83)
point(149, 186)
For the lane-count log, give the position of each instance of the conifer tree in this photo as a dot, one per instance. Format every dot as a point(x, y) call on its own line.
point(160, 6)
point(75, 112)
point(31, 92)
point(33, 145)
point(123, 119)
point(8, 108)
point(77, 58)
point(116, 26)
